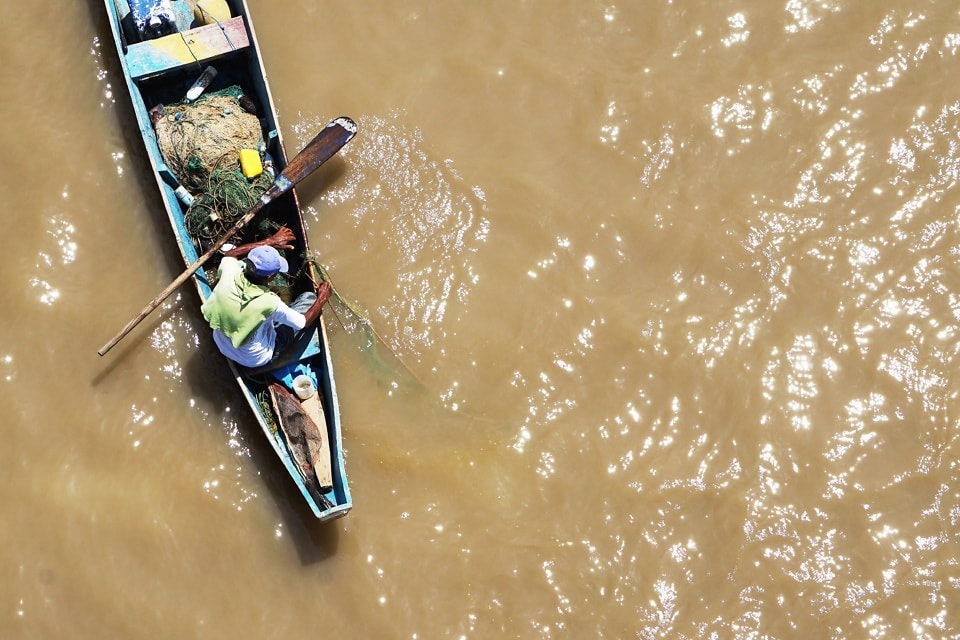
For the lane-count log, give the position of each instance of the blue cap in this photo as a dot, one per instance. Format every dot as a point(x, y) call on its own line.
point(266, 261)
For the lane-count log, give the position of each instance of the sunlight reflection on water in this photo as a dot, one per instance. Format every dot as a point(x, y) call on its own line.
point(678, 283)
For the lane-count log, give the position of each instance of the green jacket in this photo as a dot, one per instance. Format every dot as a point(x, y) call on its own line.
point(237, 306)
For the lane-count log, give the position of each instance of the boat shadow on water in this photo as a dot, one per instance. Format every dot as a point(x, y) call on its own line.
point(214, 387)
point(209, 380)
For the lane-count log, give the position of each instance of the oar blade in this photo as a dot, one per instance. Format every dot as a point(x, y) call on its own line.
point(324, 146)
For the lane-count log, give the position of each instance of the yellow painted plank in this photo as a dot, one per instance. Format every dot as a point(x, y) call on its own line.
point(186, 48)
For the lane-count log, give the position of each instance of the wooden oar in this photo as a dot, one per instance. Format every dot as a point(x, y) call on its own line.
point(324, 146)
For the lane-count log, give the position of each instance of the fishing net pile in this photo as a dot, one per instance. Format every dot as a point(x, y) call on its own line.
point(200, 142)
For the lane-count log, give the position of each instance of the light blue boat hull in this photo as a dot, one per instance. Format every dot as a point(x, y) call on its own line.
point(238, 53)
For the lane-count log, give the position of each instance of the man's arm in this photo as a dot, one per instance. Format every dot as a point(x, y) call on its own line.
point(280, 240)
point(323, 294)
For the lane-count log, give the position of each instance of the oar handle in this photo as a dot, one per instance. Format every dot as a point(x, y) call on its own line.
point(183, 277)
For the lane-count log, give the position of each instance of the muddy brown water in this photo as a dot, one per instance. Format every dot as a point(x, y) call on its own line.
point(671, 296)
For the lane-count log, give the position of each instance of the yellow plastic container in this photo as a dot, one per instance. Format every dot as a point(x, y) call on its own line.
point(210, 11)
point(250, 163)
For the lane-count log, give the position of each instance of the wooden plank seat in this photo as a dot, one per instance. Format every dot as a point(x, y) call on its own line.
point(178, 50)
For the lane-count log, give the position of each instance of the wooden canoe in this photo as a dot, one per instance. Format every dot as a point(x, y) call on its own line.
point(160, 70)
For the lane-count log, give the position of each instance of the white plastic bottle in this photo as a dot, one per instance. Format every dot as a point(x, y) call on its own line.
point(202, 83)
point(181, 192)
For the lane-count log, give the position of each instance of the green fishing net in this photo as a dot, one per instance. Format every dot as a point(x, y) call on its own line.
point(200, 142)
point(228, 195)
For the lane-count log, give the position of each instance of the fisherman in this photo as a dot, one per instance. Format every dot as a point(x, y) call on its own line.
point(250, 322)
